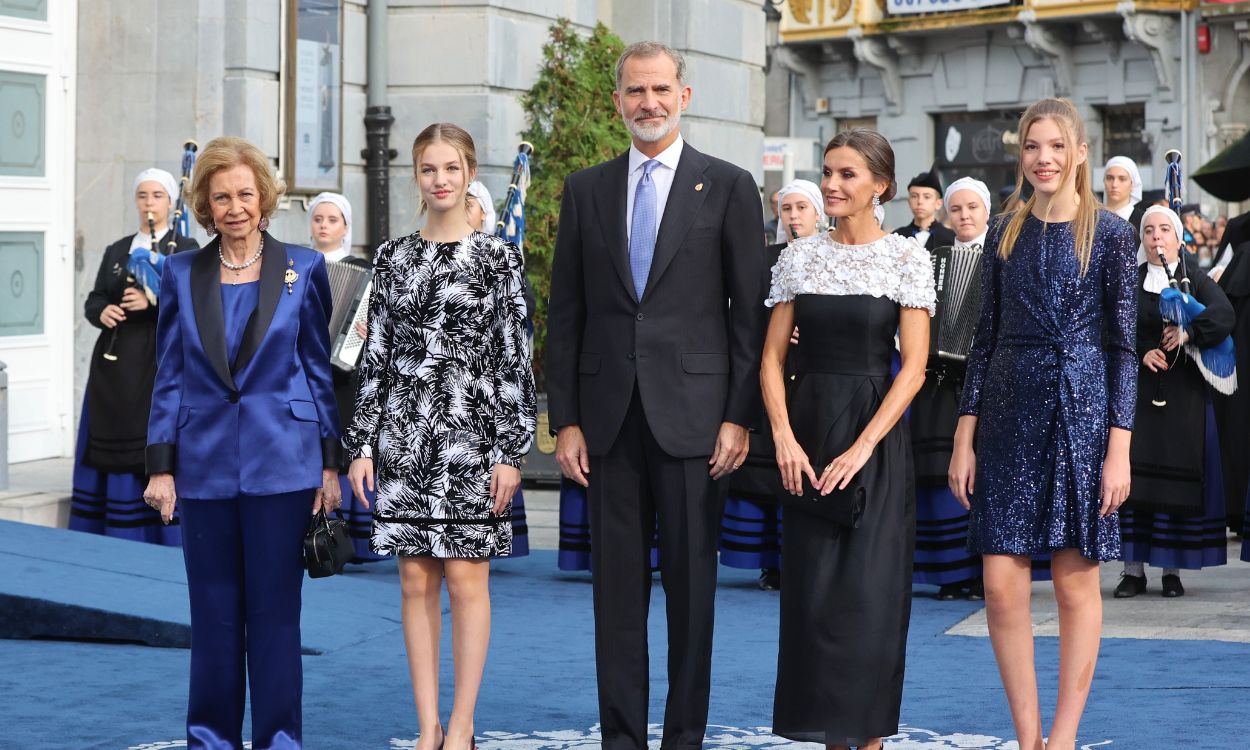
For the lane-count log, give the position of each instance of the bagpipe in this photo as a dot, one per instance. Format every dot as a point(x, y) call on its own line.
point(182, 222)
point(511, 224)
point(146, 265)
point(1177, 305)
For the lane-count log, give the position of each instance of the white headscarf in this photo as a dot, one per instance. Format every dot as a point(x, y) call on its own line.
point(967, 183)
point(1130, 166)
point(166, 181)
point(810, 191)
point(1177, 227)
point(343, 206)
point(482, 195)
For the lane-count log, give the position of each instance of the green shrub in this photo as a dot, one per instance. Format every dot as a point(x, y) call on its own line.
point(572, 125)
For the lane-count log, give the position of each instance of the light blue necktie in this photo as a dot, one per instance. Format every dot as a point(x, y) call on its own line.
point(642, 229)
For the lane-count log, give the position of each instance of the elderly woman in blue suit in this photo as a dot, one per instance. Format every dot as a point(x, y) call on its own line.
point(244, 438)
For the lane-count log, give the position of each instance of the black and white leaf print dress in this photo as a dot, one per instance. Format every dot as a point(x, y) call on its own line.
point(446, 392)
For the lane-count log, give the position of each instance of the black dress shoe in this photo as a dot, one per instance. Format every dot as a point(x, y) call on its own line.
point(1172, 587)
point(1130, 586)
point(976, 589)
point(950, 592)
point(770, 579)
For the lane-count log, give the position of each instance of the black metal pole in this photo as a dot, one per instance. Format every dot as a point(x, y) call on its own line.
point(377, 156)
point(378, 120)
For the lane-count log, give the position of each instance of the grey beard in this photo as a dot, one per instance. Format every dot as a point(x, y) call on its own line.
point(657, 133)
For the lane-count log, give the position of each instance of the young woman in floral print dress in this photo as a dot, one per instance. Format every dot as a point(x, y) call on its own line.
point(444, 413)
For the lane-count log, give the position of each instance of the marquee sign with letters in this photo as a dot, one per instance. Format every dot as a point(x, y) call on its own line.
point(905, 7)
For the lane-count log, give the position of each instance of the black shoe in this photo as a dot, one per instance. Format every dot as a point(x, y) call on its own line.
point(1130, 586)
point(976, 589)
point(1172, 587)
point(770, 579)
point(950, 592)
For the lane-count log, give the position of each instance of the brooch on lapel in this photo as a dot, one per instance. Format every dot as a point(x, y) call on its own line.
point(291, 276)
point(698, 187)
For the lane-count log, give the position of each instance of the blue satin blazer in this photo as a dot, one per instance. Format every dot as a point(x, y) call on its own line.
point(266, 423)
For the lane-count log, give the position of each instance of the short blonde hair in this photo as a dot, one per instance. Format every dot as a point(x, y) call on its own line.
point(228, 152)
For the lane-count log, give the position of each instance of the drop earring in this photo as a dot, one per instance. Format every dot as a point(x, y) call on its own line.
point(264, 224)
point(876, 200)
point(211, 229)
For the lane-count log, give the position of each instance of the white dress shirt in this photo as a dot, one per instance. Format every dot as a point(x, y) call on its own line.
point(1156, 279)
point(662, 176)
point(143, 240)
point(977, 241)
point(1222, 259)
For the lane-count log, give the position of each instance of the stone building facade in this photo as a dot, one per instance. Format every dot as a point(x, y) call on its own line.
point(947, 85)
point(37, 103)
point(152, 74)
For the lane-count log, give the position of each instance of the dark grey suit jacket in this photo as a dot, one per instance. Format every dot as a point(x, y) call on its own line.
point(692, 346)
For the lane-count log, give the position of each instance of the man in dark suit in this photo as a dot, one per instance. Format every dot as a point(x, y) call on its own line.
point(924, 198)
point(1236, 232)
point(653, 345)
point(1232, 413)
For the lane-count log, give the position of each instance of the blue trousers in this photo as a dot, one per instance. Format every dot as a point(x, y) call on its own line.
point(244, 573)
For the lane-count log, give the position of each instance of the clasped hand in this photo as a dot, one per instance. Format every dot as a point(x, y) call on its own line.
point(794, 464)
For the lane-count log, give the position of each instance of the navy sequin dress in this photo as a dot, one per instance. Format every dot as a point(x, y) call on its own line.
point(1053, 366)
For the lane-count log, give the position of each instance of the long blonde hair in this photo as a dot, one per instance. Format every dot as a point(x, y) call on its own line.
point(458, 138)
point(1064, 114)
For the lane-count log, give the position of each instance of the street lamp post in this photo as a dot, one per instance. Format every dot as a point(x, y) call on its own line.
point(772, 30)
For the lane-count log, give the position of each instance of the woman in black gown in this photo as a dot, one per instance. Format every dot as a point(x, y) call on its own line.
point(847, 598)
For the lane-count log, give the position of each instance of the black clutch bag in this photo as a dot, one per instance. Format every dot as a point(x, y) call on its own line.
point(327, 547)
point(844, 507)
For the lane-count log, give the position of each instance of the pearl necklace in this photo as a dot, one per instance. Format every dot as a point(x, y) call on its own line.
point(242, 266)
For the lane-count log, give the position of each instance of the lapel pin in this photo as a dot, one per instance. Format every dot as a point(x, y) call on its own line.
point(291, 276)
point(698, 187)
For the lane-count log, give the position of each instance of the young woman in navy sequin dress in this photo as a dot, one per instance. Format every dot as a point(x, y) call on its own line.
point(1049, 398)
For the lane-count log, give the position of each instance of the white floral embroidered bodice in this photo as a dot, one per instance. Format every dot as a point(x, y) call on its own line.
point(894, 267)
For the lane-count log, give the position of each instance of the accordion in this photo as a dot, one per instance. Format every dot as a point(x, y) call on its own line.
point(350, 285)
point(935, 410)
point(957, 277)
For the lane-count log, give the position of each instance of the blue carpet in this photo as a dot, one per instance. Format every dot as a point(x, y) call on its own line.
point(539, 688)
